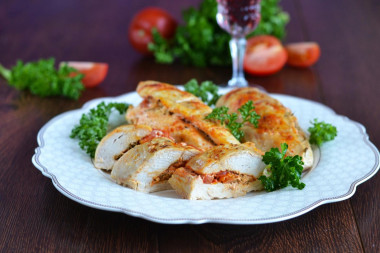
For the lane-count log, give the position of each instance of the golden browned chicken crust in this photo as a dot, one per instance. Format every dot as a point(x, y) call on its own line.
point(188, 106)
point(152, 113)
point(276, 125)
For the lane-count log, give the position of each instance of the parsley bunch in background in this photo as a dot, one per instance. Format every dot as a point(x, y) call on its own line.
point(273, 20)
point(93, 126)
point(201, 42)
point(41, 78)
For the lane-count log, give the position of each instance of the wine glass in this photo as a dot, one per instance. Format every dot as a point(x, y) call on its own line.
point(238, 18)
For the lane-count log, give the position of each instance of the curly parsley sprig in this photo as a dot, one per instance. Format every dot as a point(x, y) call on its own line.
point(93, 125)
point(207, 91)
point(41, 78)
point(247, 112)
point(282, 171)
point(273, 19)
point(321, 132)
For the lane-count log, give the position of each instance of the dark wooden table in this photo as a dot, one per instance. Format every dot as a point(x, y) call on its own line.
point(35, 217)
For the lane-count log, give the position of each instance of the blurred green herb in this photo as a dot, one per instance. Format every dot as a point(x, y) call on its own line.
point(93, 126)
point(207, 91)
point(43, 79)
point(273, 20)
point(201, 42)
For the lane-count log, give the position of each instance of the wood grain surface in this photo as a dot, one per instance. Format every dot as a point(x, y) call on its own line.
point(35, 217)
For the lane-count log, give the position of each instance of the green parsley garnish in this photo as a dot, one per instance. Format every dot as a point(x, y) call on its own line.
point(93, 125)
point(273, 20)
point(202, 91)
point(283, 171)
point(247, 112)
point(321, 132)
point(201, 42)
point(42, 79)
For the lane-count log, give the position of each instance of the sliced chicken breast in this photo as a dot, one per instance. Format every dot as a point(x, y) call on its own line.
point(151, 112)
point(188, 107)
point(224, 171)
point(236, 158)
point(191, 186)
point(117, 142)
point(148, 166)
point(277, 123)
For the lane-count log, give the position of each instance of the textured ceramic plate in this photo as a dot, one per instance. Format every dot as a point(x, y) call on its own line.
point(334, 177)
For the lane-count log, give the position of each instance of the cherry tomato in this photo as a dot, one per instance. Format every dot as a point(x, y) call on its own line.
point(303, 54)
point(140, 30)
point(264, 55)
point(94, 72)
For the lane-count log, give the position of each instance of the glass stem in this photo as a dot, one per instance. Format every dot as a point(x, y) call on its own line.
point(237, 48)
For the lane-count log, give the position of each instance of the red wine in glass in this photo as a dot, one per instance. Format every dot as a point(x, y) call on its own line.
point(238, 18)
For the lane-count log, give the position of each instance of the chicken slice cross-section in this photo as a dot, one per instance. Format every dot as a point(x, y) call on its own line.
point(148, 166)
point(224, 171)
point(116, 143)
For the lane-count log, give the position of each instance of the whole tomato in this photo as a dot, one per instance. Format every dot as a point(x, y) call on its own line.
point(140, 30)
point(264, 56)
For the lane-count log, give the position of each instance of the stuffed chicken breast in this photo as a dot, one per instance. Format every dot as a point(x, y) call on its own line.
point(224, 171)
point(148, 166)
point(117, 142)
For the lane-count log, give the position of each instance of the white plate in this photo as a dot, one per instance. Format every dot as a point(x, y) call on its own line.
point(344, 163)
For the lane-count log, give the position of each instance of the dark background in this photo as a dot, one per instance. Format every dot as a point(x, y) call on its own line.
point(34, 216)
